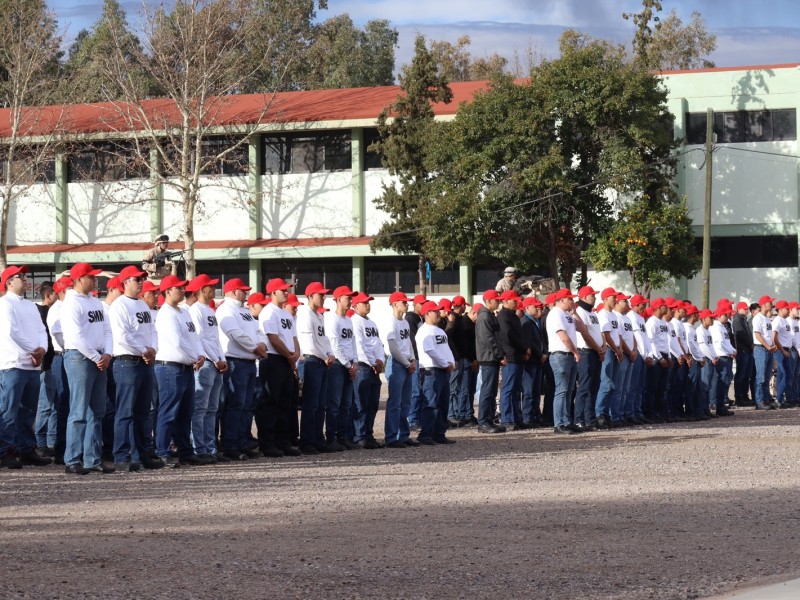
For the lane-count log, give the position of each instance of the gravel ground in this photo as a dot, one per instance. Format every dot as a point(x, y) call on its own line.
point(669, 511)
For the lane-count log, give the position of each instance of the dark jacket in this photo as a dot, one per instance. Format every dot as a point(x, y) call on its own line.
point(414, 321)
point(512, 342)
point(487, 342)
point(47, 360)
point(742, 332)
point(455, 335)
point(533, 337)
point(468, 331)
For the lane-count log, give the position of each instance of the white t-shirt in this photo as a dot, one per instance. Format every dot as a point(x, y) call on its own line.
point(369, 347)
point(795, 323)
point(559, 320)
point(762, 325)
point(609, 324)
point(625, 329)
point(640, 334)
point(659, 335)
point(674, 347)
point(311, 333)
point(706, 343)
point(434, 351)
point(275, 320)
point(340, 335)
point(398, 331)
point(691, 340)
point(592, 323)
point(721, 340)
point(783, 330)
point(131, 326)
point(177, 336)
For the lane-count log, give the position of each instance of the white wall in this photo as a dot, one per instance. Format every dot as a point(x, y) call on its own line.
point(102, 213)
point(373, 188)
point(32, 216)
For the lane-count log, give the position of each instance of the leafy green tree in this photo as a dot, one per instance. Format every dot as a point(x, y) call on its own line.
point(456, 63)
point(407, 131)
point(652, 240)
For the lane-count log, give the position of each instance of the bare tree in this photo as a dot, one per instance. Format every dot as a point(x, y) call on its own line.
point(29, 64)
point(199, 56)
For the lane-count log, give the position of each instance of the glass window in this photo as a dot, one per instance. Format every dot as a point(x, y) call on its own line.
point(275, 156)
point(338, 153)
point(233, 162)
point(307, 155)
point(784, 125)
point(372, 158)
point(744, 126)
point(746, 252)
point(696, 128)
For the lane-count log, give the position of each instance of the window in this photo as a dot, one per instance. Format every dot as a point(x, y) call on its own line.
point(233, 162)
point(306, 153)
point(30, 165)
point(372, 158)
point(744, 126)
point(109, 161)
point(332, 273)
point(387, 275)
point(747, 252)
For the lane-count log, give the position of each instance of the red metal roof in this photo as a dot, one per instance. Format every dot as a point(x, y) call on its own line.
point(284, 107)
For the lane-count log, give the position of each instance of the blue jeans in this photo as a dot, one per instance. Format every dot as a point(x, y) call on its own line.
point(708, 386)
point(338, 419)
point(134, 391)
point(509, 392)
point(46, 414)
point(398, 402)
point(490, 376)
point(588, 382)
point(605, 393)
point(61, 404)
point(744, 364)
point(416, 400)
point(633, 397)
point(455, 379)
point(19, 396)
point(691, 391)
point(785, 376)
point(621, 382)
point(763, 360)
point(436, 390)
point(565, 373)
point(312, 412)
point(207, 387)
point(794, 392)
point(725, 374)
point(531, 391)
point(466, 400)
point(240, 383)
point(87, 407)
point(367, 399)
point(175, 406)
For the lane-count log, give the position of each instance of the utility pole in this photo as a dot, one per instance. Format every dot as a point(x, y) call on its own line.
point(706, 273)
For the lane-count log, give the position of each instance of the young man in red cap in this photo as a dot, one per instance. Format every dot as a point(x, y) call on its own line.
point(369, 349)
point(490, 359)
point(208, 380)
point(609, 326)
point(61, 401)
point(317, 358)
point(469, 377)
point(88, 349)
point(135, 343)
point(592, 348)
point(720, 338)
point(784, 340)
point(743, 333)
point(277, 417)
point(793, 392)
point(414, 321)
point(708, 377)
point(644, 361)
point(23, 344)
point(695, 408)
point(512, 344)
point(764, 350)
point(436, 362)
point(564, 356)
point(242, 344)
point(342, 373)
point(457, 415)
point(675, 376)
point(44, 426)
point(655, 399)
point(624, 396)
point(113, 291)
point(401, 367)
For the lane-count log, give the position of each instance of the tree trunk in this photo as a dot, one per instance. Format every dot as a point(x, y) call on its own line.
point(5, 210)
point(188, 235)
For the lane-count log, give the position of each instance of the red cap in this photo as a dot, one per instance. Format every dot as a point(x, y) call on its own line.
point(621, 297)
point(171, 281)
point(721, 310)
point(199, 282)
point(315, 287)
point(477, 306)
point(691, 310)
point(764, 299)
point(343, 290)
point(742, 305)
point(490, 295)
point(235, 284)
point(531, 301)
point(459, 301)
point(607, 293)
point(704, 314)
point(129, 272)
point(293, 301)
point(322, 310)
point(9, 272)
point(149, 286)
point(648, 312)
point(62, 284)
point(419, 299)
point(639, 299)
point(257, 298)
point(113, 283)
point(671, 303)
point(362, 297)
point(550, 298)
point(83, 270)
point(657, 303)
point(445, 304)
point(160, 301)
point(212, 304)
point(587, 290)
point(350, 312)
point(781, 304)
point(273, 285)
point(564, 293)
point(398, 297)
point(510, 295)
point(429, 306)
point(793, 304)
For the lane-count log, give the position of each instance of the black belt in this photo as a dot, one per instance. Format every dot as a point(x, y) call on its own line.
point(58, 353)
point(560, 352)
point(363, 364)
point(172, 363)
point(424, 370)
point(584, 350)
point(235, 358)
point(128, 357)
point(313, 358)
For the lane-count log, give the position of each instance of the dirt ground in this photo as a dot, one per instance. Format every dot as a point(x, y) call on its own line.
point(669, 511)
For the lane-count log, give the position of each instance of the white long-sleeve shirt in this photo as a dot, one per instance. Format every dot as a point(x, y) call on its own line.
point(131, 326)
point(694, 345)
point(398, 341)
point(640, 334)
point(311, 333)
point(21, 332)
point(177, 336)
point(369, 347)
point(659, 335)
point(205, 322)
point(609, 324)
point(783, 330)
point(672, 335)
point(721, 340)
point(275, 320)
point(238, 330)
point(84, 326)
point(340, 335)
point(705, 341)
point(434, 351)
point(54, 325)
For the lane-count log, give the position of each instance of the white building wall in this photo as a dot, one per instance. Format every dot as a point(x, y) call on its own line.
point(32, 216)
point(101, 213)
point(373, 188)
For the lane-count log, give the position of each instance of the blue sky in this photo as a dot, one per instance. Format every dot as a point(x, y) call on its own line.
point(748, 33)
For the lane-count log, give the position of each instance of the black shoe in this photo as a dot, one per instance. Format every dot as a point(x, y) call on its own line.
point(194, 459)
point(581, 428)
point(396, 444)
point(33, 459)
point(410, 442)
point(444, 440)
point(221, 458)
point(453, 424)
point(235, 455)
point(563, 429)
point(170, 462)
point(370, 444)
point(710, 415)
point(309, 449)
point(253, 453)
point(784, 405)
point(724, 412)
point(9, 461)
point(645, 420)
point(413, 428)
point(75, 469)
point(466, 423)
point(47, 452)
point(348, 444)
point(334, 446)
point(426, 441)
point(290, 450)
point(272, 451)
point(153, 463)
point(489, 429)
point(127, 467)
point(102, 468)
point(510, 426)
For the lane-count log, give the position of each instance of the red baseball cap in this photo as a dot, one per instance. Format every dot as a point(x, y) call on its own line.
point(550, 298)
point(607, 293)
point(477, 306)
point(742, 305)
point(343, 290)
point(199, 282)
point(82, 270)
point(429, 306)
point(657, 303)
point(490, 295)
point(113, 283)
point(691, 310)
point(671, 303)
point(781, 304)
point(315, 287)
point(639, 299)
point(648, 312)
point(587, 290)
point(350, 312)
point(704, 314)
point(274, 285)
point(460, 301)
point(149, 286)
point(129, 272)
point(445, 304)
point(510, 295)
point(171, 281)
point(794, 304)
point(257, 298)
point(322, 310)
point(160, 301)
point(724, 301)
point(292, 300)
point(235, 284)
point(764, 299)
point(531, 301)
point(621, 297)
point(9, 272)
point(62, 284)
point(362, 297)
point(419, 299)
point(564, 293)
point(398, 297)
